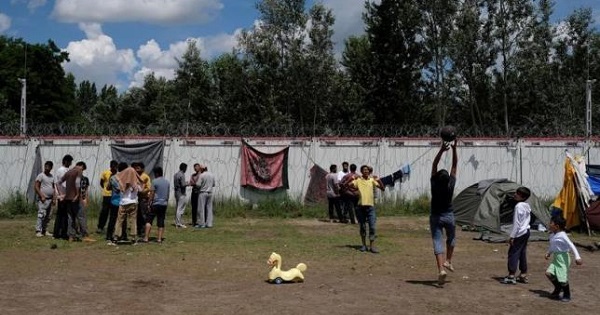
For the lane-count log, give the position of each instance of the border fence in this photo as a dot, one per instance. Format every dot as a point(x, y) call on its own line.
point(536, 163)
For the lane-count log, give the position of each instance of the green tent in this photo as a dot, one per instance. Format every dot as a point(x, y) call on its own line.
point(489, 204)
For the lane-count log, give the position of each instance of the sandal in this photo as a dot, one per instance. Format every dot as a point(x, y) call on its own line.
point(523, 279)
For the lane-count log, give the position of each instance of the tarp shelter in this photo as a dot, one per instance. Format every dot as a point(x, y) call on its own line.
point(575, 194)
point(489, 204)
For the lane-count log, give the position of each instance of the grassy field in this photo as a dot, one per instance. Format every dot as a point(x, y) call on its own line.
point(223, 270)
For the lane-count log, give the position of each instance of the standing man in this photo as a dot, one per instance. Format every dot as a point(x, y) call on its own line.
point(195, 194)
point(179, 185)
point(206, 184)
point(333, 195)
point(84, 184)
point(343, 172)
point(143, 194)
point(61, 222)
point(365, 214)
point(159, 196)
point(349, 194)
point(44, 188)
point(71, 197)
point(106, 193)
point(130, 184)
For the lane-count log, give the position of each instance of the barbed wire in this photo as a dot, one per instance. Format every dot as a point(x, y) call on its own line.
point(278, 130)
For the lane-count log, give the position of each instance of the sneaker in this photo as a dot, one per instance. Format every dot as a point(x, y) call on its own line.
point(48, 234)
point(374, 250)
point(523, 279)
point(565, 299)
point(39, 234)
point(198, 226)
point(111, 243)
point(448, 266)
point(509, 280)
point(88, 239)
point(181, 226)
point(363, 248)
point(442, 277)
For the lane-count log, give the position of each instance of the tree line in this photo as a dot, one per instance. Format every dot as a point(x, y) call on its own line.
point(489, 67)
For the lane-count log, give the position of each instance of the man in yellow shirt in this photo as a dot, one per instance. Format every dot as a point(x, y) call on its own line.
point(365, 213)
point(106, 193)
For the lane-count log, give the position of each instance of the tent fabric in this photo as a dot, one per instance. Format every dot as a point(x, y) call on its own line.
point(567, 197)
point(593, 172)
point(593, 215)
point(489, 204)
point(149, 153)
point(316, 192)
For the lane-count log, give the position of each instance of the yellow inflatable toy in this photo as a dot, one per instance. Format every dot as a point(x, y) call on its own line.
point(278, 276)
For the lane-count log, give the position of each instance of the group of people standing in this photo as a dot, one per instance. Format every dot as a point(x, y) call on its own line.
point(202, 183)
point(68, 190)
point(131, 200)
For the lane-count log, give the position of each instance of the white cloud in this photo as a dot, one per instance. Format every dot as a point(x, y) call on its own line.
point(31, 4)
point(4, 22)
point(97, 59)
point(348, 19)
point(163, 63)
point(149, 11)
point(34, 4)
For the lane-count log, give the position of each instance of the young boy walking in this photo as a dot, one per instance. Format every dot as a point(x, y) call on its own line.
point(519, 236)
point(558, 271)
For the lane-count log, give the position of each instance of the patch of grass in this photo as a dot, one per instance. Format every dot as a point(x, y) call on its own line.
point(15, 204)
point(414, 207)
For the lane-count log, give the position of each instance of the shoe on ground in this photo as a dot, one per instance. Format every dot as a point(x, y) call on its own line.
point(448, 266)
point(198, 226)
point(99, 231)
point(39, 234)
point(88, 239)
point(48, 234)
point(111, 243)
point(374, 250)
point(182, 226)
point(442, 277)
point(523, 279)
point(363, 248)
point(509, 280)
point(565, 299)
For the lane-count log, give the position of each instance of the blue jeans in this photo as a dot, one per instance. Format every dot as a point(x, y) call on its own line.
point(366, 214)
point(438, 223)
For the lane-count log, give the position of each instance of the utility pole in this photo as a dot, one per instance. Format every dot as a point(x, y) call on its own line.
point(23, 124)
point(588, 116)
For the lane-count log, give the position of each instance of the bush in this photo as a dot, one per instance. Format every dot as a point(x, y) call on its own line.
point(16, 204)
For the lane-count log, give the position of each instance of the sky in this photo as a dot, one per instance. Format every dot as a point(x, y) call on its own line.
point(119, 42)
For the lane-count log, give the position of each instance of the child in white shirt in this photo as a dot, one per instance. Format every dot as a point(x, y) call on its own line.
point(558, 270)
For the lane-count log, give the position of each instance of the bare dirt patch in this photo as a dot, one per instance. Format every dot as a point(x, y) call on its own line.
point(224, 271)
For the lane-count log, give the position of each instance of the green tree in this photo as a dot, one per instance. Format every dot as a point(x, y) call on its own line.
point(394, 29)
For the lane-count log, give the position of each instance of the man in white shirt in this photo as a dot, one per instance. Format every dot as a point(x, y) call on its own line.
point(61, 222)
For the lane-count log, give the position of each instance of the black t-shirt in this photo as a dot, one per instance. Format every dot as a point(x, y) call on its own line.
point(441, 196)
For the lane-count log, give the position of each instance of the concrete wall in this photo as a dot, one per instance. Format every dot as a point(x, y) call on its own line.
point(536, 163)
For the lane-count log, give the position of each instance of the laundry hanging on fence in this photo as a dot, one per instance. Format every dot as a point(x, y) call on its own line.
point(37, 168)
point(264, 171)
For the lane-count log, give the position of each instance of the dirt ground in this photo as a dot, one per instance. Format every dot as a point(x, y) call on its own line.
point(199, 274)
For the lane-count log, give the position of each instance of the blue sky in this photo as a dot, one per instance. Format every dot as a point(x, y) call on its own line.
point(120, 41)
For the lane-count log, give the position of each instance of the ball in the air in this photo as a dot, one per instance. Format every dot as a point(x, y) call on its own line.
point(448, 133)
